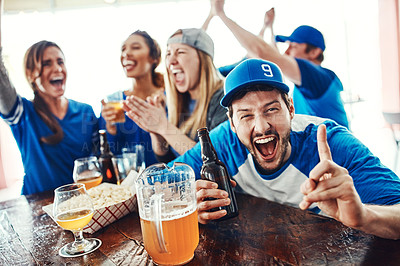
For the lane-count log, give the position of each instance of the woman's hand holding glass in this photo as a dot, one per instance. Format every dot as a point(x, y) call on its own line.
point(114, 108)
point(109, 113)
point(73, 210)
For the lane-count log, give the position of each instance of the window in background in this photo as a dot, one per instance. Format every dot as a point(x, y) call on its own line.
point(91, 40)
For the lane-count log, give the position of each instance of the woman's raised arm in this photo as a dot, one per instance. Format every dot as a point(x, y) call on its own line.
point(8, 95)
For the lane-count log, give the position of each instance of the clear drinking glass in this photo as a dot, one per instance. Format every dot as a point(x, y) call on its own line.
point(73, 210)
point(115, 101)
point(87, 171)
point(137, 152)
point(123, 165)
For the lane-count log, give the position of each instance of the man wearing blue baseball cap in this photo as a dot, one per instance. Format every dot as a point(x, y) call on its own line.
point(317, 89)
point(298, 160)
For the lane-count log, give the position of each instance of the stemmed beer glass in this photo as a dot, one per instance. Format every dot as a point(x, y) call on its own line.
point(73, 210)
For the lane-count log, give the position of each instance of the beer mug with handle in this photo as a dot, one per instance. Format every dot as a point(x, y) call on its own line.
point(168, 212)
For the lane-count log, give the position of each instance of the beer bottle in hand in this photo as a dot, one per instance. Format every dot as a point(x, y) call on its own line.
point(106, 165)
point(215, 170)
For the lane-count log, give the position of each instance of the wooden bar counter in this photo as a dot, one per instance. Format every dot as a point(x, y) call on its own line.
point(264, 233)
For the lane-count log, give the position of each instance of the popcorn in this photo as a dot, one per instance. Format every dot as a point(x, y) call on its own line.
point(106, 195)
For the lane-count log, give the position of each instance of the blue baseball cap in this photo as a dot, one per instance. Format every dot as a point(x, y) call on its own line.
point(304, 34)
point(252, 72)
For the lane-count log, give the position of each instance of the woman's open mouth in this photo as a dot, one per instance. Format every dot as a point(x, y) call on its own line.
point(57, 82)
point(129, 64)
point(267, 147)
point(178, 74)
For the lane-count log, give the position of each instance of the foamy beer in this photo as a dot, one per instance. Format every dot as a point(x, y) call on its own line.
point(168, 212)
point(115, 101)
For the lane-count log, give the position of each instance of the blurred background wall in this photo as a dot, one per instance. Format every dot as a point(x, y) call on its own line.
point(361, 39)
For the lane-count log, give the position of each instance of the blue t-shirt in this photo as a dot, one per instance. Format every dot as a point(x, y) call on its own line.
point(50, 166)
point(375, 183)
point(128, 134)
point(319, 93)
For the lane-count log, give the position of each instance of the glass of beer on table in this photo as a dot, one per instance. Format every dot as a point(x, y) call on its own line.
point(168, 212)
point(73, 210)
point(87, 171)
point(114, 101)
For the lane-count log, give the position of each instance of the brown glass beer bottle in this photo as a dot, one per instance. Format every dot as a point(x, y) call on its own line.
point(215, 170)
point(106, 165)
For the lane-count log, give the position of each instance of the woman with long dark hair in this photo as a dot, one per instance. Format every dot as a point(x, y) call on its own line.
point(51, 131)
point(140, 56)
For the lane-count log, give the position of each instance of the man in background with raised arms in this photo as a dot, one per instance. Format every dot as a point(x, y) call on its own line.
point(317, 89)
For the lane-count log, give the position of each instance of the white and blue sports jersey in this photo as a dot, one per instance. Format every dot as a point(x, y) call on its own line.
point(375, 183)
point(319, 93)
point(50, 166)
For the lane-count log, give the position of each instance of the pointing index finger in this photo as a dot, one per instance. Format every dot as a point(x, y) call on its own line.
point(323, 148)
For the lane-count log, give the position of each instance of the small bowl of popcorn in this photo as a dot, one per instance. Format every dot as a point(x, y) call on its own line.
point(110, 202)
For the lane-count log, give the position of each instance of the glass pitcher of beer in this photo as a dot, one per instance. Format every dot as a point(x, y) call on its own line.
point(168, 212)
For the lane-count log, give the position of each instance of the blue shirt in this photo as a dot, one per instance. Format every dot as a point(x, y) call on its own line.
point(319, 93)
point(128, 134)
point(375, 183)
point(50, 166)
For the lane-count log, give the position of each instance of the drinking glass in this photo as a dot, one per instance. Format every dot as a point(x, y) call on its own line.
point(73, 210)
point(123, 164)
point(136, 153)
point(87, 171)
point(115, 101)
